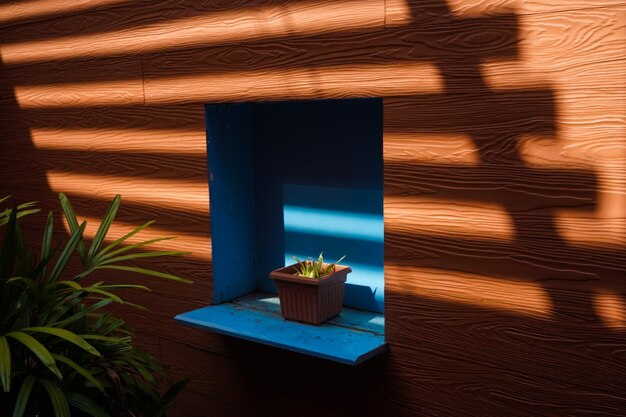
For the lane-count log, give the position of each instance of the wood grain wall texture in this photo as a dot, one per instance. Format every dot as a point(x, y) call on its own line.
point(505, 183)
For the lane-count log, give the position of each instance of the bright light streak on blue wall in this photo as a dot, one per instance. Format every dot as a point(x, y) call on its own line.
point(333, 223)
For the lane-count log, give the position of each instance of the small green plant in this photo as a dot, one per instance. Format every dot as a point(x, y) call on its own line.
point(61, 353)
point(315, 268)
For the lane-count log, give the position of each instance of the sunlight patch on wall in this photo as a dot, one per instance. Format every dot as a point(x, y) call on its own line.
point(81, 94)
point(209, 29)
point(175, 142)
point(480, 291)
point(428, 216)
point(436, 148)
point(503, 75)
point(179, 194)
point(611, 308)
point(602, 224)
point(465, 9)
point(292, 84)
point(315, 221)
point(298, 83)
point(199, 246)
point(26, 10)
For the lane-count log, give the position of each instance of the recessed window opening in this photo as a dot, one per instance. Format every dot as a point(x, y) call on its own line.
point(294, 179)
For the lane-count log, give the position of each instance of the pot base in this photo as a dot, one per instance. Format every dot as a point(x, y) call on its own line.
point(310, 300)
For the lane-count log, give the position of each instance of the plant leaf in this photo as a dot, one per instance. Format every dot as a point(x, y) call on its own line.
point(84, 312)
point(104, 228)
point(144, 271)
point(115, 340)
point(7, 256)
point(145, 374)
point(22, 210)
point(142, 255)
point(59, 402)
point(82, 371)
point(22, 397)
point(126, 286)
point(86, 405)
point(46, 243)
point(38, 349)
point(70, 216)
point(67, 335)
point(101, 257)
point(124, 238)
point(64, 258)
point(5, 364)
point(170, 395)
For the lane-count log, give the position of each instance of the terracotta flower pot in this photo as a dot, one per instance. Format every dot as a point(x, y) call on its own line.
point(310, 300)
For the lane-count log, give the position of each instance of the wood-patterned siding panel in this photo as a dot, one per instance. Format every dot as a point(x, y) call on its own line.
point(504, 193)
point(447, 372)
point(21, 12)
point(400, 12)
point(504, 228)
point(184, 26)
point(127, 119)
point(214, 377)
point(460, 56)
point(60, 85)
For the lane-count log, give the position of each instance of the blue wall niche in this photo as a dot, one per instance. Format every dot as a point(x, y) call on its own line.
point(295, 179)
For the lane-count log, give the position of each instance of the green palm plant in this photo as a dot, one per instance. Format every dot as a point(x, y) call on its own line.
point(61, 352)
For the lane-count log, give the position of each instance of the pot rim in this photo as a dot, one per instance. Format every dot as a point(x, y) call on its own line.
point(286, 274)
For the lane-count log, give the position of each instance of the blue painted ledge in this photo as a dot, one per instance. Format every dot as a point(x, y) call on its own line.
point(351, 338)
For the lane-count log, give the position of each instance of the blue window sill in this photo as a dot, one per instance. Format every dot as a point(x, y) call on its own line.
point(350, 338)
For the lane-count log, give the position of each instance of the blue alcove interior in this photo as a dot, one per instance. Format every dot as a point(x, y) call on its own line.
point(296, 178)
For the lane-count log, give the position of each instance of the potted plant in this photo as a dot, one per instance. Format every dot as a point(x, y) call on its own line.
point(311, 291)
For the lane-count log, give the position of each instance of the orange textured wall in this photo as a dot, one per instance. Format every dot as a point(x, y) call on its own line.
point(505, 183)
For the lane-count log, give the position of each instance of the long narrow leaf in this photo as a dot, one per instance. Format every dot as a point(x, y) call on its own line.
point(64, 258)
point(101, 257)
point(83, 313)
point(86, 405)
point(38, 349)
point(102, 320)
point(23, 213)
point(7, 256)
point(70, 216)
point(95, 289)
point(100, 291)
point(23, 280)
point(168, 398)
point(137, 306)
point(145, 374)
point(22, 210)
point(47, 242)
point(144, 271)
point(142, 255)
point(59, 402)
point(80, 370)
point(126, 286)
point(68, 304)
point(23, 396)
point(104, 227)
point(125, 237)
point(114, 326)
point(106, 339)
point(5, 364)
point(67, 335)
